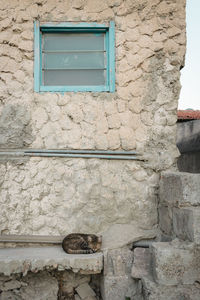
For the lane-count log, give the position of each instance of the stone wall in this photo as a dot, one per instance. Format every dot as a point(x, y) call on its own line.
point(45, 285)
point(57, 196)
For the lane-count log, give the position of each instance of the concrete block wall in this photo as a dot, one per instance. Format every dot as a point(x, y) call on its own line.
point(175, 265)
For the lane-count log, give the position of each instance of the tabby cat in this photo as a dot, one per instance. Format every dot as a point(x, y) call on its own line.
point(80, 243)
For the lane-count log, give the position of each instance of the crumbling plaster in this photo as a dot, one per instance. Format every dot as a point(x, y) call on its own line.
point(57, 196)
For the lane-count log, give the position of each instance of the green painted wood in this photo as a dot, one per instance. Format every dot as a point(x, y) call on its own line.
point(61, 89)
point(36, 56)
point(112, 56)
point(74, 25)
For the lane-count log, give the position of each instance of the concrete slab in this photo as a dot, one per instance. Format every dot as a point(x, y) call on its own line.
point(22, 260)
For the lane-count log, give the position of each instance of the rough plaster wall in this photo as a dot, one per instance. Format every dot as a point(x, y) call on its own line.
point(58, 195)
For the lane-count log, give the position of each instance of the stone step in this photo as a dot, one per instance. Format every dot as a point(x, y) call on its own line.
point(154, 291)
point(179, 189)
point(186, 224)
point(175, 263)
point(22, 260)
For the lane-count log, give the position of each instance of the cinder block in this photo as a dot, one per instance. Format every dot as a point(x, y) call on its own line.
point(175, 264)
point(141, 264)
point(186, 224)
point(154, 291)
point(179, 189)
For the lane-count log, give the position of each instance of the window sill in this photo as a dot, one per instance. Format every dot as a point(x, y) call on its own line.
point(74, 88)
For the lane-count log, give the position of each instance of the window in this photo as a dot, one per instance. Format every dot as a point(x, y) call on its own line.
point(74, 57)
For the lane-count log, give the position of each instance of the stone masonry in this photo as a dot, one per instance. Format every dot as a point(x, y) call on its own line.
point(57, 196)
point(171, 270)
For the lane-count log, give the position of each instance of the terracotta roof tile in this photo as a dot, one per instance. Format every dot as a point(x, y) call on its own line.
point(188, 114)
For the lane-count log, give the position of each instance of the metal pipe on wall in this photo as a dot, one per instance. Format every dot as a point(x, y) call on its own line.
point(81, 151)
point(121, 157)
point(101, 154)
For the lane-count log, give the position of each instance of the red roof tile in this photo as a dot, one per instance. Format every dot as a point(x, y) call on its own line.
point(188, 114)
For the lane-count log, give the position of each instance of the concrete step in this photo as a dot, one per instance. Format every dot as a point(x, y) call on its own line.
point(174, 264)
point(22, 260)
point(178, 189)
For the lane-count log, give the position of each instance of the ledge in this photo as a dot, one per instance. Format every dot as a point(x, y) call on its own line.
point(22, 260)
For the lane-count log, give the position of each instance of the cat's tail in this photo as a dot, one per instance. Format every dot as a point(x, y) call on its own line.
point(86, 251)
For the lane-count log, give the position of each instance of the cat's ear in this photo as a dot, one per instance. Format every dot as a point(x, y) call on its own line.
point(89, 239)
point(100, 239)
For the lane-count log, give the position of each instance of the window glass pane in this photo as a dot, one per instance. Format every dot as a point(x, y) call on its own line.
point(75, 60)
point(74, 77)
point(73, 41)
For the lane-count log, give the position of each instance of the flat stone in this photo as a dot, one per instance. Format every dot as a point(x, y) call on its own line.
point(116, 287)
point(180, 189)
point(141, 263)
point(118, 262)
point(154, 291)
point(22, 260)
point(85, 291)
point(175, 264)
point(186, 223)
point(120, 235)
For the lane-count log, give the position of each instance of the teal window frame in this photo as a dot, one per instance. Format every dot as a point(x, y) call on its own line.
point(76, 27)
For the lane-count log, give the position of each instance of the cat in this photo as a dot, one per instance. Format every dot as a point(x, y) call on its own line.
point(80, 243)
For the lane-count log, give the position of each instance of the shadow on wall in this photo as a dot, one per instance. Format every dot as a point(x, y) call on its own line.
point(188, 141)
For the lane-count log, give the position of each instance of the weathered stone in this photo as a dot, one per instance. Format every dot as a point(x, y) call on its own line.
point(128, 233)
point(85, 291)
point(15, 126)
point(34, 286)
point(11, 285)
point(26, 45)
point(127, 138)
point(114, 121)
point(165, 220)
point(174, 265)
point(22, 260)
point(113, 139)
point(186, 223)
point(141, 263)
point(118, 262)
point(154, 291)
point(179, 189)
point(116, 287)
